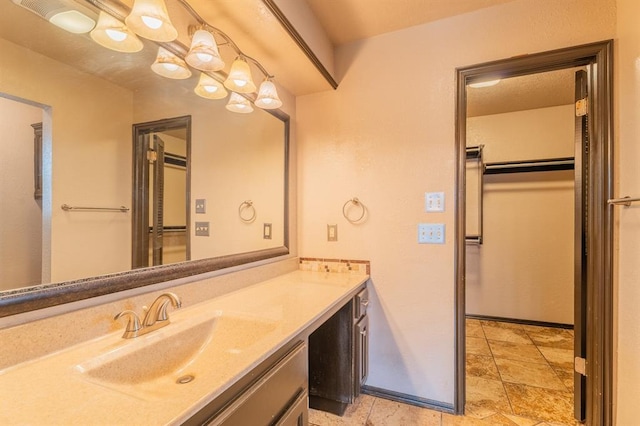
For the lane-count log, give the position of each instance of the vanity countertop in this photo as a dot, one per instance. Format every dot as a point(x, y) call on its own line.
point(53, 389)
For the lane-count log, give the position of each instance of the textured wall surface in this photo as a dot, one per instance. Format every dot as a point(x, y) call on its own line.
point(20, 213)
point(88, 147)
point(387, 136)
point(628, 220)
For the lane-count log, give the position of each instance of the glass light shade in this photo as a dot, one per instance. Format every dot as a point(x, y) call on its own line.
point(169, 65)
point(268, 96)
point(203, 54)
point(150, 19)
point(239, 79)
point(114, 35)
point(238, 103)
point(73, 21)
point(210, 88)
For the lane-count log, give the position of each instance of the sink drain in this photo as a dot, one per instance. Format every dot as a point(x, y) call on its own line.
point(185, 379)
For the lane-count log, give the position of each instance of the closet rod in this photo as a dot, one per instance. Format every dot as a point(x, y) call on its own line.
point(545, 165)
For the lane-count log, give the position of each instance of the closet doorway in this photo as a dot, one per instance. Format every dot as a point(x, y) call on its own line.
point(520, 246)
point(543, 257)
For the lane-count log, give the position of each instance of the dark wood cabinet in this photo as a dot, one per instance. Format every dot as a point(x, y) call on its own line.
point(338, 357)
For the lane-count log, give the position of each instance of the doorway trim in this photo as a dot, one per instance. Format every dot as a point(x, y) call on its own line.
point(599, 307)
point(140, 199)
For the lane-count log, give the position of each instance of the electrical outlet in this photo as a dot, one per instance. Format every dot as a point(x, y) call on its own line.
point(201, 206)
point(202, 229)
point(431, 233)
point(332, 232)
point(434, 201)
point(266, 231)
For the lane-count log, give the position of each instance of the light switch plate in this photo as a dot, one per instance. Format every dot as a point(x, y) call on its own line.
point(201, 206)
point(266, 231)
point(332, 232)
point(202, 229)
point(431, 233)
point(434, 201)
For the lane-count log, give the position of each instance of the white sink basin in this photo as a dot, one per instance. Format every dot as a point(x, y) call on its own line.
point(187, 349)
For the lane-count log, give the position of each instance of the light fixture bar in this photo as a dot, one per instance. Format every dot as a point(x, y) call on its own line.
point(222, 34)
point(120, 11)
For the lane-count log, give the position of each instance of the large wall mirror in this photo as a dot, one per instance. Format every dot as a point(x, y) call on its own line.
point(86, 101)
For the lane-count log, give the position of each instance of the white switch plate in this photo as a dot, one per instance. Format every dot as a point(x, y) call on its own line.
point(202, 229)
point(434, 201)
point(431, 233)
point(332, 232)
point(201, 206)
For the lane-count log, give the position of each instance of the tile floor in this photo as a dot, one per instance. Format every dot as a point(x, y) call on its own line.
point(517, 375)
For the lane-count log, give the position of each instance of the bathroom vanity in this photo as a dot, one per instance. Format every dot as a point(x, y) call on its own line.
point(240, 358)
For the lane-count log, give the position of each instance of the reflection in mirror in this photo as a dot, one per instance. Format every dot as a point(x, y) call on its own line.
point(20, 194)
point(161, 187)
point(89, 98)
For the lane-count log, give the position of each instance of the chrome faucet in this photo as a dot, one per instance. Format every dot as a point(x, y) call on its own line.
point(155, 316)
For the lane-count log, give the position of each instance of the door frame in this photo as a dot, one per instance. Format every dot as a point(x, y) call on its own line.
point(140, 190)
point(599, 328)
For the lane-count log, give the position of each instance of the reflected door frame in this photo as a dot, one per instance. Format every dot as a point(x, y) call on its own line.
point(599, 283)
point(141, 190)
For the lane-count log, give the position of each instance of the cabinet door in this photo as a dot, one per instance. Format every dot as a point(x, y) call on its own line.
point(298, 414)
point(362, 351)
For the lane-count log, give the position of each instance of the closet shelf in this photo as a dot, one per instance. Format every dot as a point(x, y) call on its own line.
point(544, 165)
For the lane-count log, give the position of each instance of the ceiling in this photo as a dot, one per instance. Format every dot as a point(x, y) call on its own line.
point(349, 20)
point(541, 90)
point(344, 20)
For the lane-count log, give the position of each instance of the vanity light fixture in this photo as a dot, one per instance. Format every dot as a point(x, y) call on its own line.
point(169, 65)
point(238, 103)
point(114, 34)
point(210, 88)
point(268, 96)
point(239, 79)
point(203, 54)
point(486, 83)
point(150, 19)
point(73, 21)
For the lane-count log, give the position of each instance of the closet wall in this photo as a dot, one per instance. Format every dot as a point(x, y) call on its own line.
point(524, 268)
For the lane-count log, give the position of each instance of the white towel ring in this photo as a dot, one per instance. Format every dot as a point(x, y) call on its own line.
point(356, 203)
point(247, 205)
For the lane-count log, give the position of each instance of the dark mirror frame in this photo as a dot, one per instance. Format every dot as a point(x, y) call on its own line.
point(42, 296)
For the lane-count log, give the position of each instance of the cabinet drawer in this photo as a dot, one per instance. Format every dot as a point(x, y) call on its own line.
point(298, 414)
point(272, 395)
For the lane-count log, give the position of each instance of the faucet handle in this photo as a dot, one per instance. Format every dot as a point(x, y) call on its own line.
point(133, 323)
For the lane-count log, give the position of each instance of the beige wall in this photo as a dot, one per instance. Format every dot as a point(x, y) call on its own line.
point(627, 296)
point(386, 135)
point(20, 213)
point(524, 268)
point(87, 132)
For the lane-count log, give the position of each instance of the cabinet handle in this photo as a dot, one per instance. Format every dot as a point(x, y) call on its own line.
point(365, 303)
point(363, 332)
